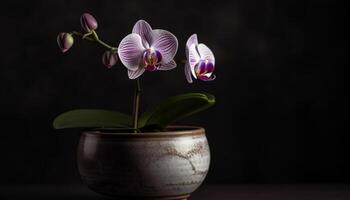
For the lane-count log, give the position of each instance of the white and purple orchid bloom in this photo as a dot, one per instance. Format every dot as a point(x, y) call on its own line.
point(147, 49)
point(200, 61)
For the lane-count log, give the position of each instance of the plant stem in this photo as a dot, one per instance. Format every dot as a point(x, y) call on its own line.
point(102, 43)
point(136, 104)
point(106, 45)
point(82, 36)
point(95, 38)
point(92, 36)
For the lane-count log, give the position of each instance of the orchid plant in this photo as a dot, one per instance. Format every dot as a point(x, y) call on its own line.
point(143, 50)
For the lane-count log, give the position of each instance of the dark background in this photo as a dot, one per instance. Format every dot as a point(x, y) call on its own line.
point(282, 106)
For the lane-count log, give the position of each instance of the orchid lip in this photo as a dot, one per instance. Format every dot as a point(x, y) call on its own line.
point(206, 78)
point(151, 59)
point(151, 68)
point(204, 68)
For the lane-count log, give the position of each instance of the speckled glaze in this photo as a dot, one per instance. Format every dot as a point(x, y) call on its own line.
point(163, 165)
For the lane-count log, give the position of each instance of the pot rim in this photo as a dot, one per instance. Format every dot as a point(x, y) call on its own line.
point(173, 131)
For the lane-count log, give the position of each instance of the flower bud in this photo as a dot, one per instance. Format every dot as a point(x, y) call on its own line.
point(88, 22)
point(65, 41)
point(109, 59)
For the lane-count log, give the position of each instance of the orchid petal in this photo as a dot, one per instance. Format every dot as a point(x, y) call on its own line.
point(191, 40)
point(167, 66)
point(130, 51)
point(205, 53)
point(193, 58)
point(135, 74)
point(166, 43)
point(143, 29)
point(188, 72)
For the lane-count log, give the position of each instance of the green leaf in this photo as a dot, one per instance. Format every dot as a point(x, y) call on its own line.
point(92, 118)
point(175, 108)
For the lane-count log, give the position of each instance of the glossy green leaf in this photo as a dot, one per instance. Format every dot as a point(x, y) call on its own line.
point(92, 118)
point(175, 108)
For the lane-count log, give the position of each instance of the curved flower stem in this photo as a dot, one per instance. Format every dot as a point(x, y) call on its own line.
point(136, 104)
point(92, 36)
point(81, 35)
point(101, 42)
point(95, 38)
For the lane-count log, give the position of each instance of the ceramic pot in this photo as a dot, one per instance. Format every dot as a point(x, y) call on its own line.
point(159, 165)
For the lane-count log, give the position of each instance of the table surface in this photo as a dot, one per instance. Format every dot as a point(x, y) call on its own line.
point(205, 192)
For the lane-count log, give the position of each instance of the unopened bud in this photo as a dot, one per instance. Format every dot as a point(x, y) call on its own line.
point(109, 59)
point(65, 41)
point(88, 22)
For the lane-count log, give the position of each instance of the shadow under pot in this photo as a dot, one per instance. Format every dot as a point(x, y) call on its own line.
point(166, 165)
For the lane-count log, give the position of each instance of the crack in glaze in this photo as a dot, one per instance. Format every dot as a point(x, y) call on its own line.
point(198, 148)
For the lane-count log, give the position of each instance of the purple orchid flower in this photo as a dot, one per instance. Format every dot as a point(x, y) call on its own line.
point(147, 49)
point(200, 61)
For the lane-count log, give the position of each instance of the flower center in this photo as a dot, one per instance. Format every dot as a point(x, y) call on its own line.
point(151, 59)
point(204, 68)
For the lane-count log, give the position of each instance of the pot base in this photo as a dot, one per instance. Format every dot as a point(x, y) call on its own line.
point(182, 197)
point(167, 165)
